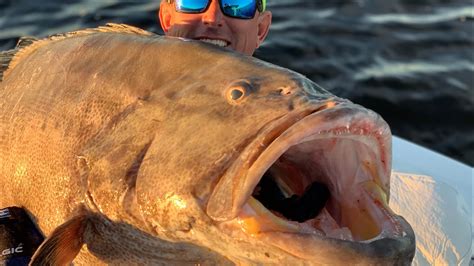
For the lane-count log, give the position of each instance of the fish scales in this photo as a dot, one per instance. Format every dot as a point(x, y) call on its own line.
point(141, 149)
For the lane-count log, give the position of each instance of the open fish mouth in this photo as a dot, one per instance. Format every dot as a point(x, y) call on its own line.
point(325, 175)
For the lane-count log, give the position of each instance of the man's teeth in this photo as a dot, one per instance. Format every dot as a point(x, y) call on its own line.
point(220, 43)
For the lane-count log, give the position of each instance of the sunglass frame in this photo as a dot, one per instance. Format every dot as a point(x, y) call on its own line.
point(260, 6)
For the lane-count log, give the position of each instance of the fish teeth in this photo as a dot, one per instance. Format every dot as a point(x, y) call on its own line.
point(220, 43)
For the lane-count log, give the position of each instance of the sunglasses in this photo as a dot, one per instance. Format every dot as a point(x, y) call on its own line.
point(241, 9)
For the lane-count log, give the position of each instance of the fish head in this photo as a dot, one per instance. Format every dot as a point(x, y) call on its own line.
point(262, 165)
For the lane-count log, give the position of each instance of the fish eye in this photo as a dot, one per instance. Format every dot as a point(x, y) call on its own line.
point(237, 93)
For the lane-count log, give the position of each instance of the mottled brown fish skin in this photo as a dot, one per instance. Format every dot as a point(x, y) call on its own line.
point(130, 132)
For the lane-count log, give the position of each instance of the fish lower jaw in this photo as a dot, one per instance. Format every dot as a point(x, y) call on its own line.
point(358, 225)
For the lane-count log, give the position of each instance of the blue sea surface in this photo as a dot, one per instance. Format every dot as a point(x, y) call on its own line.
point(412, 61)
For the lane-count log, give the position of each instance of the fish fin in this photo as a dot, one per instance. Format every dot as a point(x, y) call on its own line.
point(27, 45)
point(5, 59)
point(25, 41)
point(7, 56)
point(63, 245)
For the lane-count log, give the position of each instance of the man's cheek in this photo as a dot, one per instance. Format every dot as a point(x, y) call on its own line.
point(181, 29)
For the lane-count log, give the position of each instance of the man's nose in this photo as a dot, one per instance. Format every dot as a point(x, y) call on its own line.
point(213, 15)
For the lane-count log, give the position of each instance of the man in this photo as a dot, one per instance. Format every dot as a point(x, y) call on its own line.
point(240, 25)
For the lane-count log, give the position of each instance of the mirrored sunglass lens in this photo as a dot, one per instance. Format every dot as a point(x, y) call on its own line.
point(191, 6)
point(239, 8)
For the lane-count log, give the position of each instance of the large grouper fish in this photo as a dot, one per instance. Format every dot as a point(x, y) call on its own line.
point(127, 147)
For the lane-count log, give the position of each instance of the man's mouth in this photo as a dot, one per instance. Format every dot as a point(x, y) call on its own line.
point(218, 42)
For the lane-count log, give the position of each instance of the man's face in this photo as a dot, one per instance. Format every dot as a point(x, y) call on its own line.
point(241, 35)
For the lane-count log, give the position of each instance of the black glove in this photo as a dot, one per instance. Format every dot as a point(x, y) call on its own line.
point(19, 237)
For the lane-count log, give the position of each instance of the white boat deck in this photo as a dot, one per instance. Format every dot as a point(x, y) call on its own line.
point(447, 185)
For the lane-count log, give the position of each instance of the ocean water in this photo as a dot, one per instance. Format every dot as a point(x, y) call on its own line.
point(412, 61)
